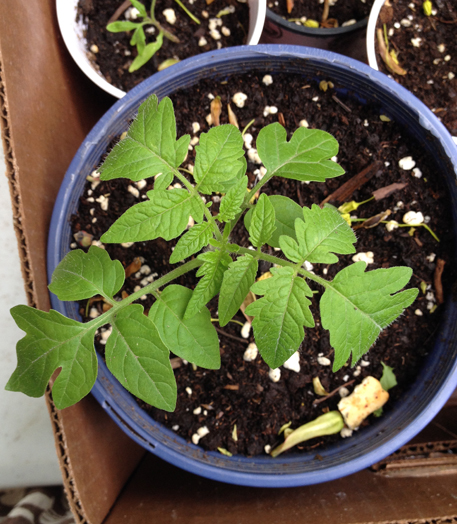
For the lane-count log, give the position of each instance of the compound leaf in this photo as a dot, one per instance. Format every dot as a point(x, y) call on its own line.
point(323, 233)
point(231, 202)
point(150, 146)
point(218, 158)
point(262, 222)
point(53, 341)
point(165, 214)
point(237, 281)
point(279, 316)
point(212, 270)
point(357, 305)
point(194, 339)
point(82, 275)
point(191, 242)
point(305, 157)
point(137, 357)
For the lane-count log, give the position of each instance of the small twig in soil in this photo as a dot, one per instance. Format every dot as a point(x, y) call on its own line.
point(342, 104)
point(234, 387)
point(299, 196)
point(123, 7)
point(281, 119)
point(438, 285)
point(319, 400)
point(222, 332)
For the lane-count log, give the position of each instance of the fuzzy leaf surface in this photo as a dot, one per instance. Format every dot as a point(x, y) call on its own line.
point(357, 305)
point(323, 233)
point(218, 158)
point(139, 359)
point(231, 202)
point(53, 341)
point(212, 272)
point(150, 146)
point(236, 284)
point(191, 242)
point(305, 157)
point(279, 316)
point(83, 275)
point(262, 223)
point(194, 339)
point(165, 214)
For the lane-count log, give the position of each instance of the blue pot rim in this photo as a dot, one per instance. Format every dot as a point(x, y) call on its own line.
point(127, 105)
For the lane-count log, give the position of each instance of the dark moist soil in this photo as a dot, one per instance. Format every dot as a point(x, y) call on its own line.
point(431, 64)
point(115, 54)
point(342, 11)
point(241, 393)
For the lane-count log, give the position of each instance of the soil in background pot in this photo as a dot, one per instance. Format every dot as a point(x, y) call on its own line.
point(426, 48)
point(240, 405)
point(344, 12)
point(113, 54)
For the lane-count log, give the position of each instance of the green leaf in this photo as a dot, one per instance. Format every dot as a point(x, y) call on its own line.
point(139, 359)
point(165, 215)
point(262, 222)
point(120, 27)
point(141, 8)
point(53, 341)
point(139, 39)
point(218, 158)
point(323, 233)
point(150, 146)
point(191, 242)
point(388, 379)
point(212, 270)
point(163, 182)
point(83, 275)
point(356, 306)
point(231, 202)
point(305, 157)
point(194, 339)
point(147, 52)
point(280, 315)
point(226, 186)
point(237, 281)
point(286, 211)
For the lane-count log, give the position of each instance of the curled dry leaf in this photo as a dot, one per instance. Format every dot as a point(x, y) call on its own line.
point(250, 298)
point(216, 110)
point(319, 388)
point(386, 14)
point(290, 5)
point(375, 220)
point(133, 267)
point(437, 281)
point(386, 191)
point(232, 117)
point(387, 58)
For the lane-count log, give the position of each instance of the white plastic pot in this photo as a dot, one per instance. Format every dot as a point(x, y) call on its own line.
point(72, 30)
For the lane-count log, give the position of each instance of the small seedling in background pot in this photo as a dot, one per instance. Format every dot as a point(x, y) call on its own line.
point(354, 307)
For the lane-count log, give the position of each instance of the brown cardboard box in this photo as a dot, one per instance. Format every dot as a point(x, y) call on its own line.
point(47, 107)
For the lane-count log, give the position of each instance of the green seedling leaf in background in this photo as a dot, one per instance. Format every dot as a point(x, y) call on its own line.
point(53, 341)
point(145, 53)
point(83, 275)
point(357, 305)
point(150, 146)
point(279, 316)
point(306, 157)
point(388, 381)
point(194, 339)
point(139, 359)
point(262, 223)
point(237, 281)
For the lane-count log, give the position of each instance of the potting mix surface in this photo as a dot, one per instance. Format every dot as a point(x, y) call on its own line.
point(222, 23)
point(426, 51)
point(241, 407)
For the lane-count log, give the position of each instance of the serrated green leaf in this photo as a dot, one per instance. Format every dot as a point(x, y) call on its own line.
point(388, 379)
point(262, 223)
point(53, 341)
point(194, 339)
point(83, 275)
point(141, 8)
point(146, 53)
point(120, 27)
point(305, 157)
point(165, 215)
point(231, 202)
point(357, 305)
point(191, 242)
point(139, 359)
point(138, 39)
point(218, 158)
point(323, 233)
point(286, 211)
point(212, 273)
point(162, 182)
point(236, 284)
point(150, 146)
point(226, 186)
point(279, 316)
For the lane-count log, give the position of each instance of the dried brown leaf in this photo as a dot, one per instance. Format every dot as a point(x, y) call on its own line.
point(232, 117)
point(216, 110)
point(387, 58)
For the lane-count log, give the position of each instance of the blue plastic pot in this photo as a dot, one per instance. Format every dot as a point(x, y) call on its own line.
point(438, 377)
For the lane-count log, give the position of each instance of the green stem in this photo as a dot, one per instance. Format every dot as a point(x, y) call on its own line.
point(152, 20)
point(248, 125)
point(189, 14)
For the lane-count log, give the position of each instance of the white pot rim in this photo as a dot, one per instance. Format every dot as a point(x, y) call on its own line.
point(72, 34)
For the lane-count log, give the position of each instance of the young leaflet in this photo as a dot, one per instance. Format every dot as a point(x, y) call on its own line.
point(355, 306)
